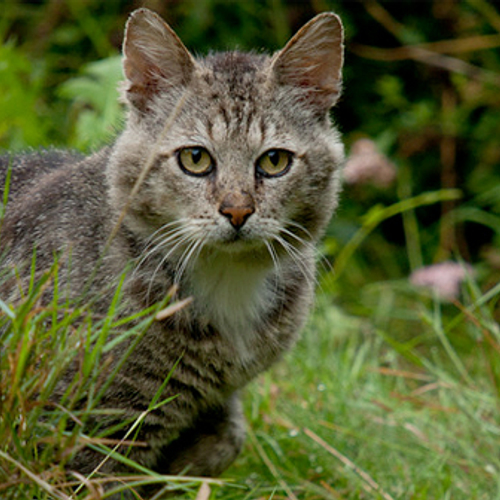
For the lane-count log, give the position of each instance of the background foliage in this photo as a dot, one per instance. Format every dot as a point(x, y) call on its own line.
point(422, 81)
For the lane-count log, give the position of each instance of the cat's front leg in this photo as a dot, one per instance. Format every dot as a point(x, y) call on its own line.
point(210, 446)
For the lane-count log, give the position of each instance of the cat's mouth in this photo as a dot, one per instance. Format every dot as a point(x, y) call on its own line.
point(235, 237)
point(238, 241)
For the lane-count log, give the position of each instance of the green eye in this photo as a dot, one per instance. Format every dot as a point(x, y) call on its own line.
point(274, 162)
point(195, 161)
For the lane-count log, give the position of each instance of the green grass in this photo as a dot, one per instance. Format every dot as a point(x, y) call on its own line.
point(401, 403)
point(362, 412)
point(39, 435)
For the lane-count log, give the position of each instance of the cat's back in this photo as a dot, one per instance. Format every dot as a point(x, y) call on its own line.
point(27, 169)
point(54, 198)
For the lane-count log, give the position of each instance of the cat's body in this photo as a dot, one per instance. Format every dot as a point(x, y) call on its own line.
point(234, 170)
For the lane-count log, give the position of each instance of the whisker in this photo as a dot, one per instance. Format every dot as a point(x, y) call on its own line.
point(158, 242)
point(297, 257)
point(186, 257)
point(292, 223)
point(166, 230)
point(277, 266)
point(274, 256)
point(297, 238)
point(200, 248)
point(183, 238)
point(320, 257)
point(168, 225)
point(170, 237)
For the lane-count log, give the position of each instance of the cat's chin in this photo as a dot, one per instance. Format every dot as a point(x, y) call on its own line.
point(239, 246)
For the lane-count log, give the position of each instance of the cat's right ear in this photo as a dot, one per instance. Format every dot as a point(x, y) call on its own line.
point(154, 58)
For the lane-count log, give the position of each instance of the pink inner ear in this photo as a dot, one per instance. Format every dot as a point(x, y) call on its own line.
point(144, 74)
point(132, 72)
point(143, 78)
point(312, 72)
point(320, 84)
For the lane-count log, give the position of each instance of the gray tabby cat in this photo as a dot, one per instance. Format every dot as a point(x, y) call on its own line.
point(222, 183)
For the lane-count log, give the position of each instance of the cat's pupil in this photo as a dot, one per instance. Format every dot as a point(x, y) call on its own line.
point(274, 156)
point(196, 154)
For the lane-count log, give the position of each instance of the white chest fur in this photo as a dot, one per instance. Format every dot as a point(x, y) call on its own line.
point(234, 296)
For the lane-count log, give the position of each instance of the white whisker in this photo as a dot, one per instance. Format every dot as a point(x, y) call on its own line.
point(184, 236)
point(168, 225)
point(157, 241)
point(320, 257)
point(297, 238)
point(298, 258)
point(277, 266)
point(194, 246)
point(300, 227)
point(274, 256)
point(171, 236)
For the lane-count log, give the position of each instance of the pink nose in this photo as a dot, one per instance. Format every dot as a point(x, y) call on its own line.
point(237, 215)
point(237, 207)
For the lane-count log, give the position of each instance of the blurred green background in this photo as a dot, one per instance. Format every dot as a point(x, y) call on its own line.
point(422, 81)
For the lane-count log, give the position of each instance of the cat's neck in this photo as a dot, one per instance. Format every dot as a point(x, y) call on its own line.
point(234, 294)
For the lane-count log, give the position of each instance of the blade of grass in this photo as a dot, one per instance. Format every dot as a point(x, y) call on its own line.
point(39, 481)
point(370, 482)
point(436, 323)
point(272, 468)
point(7, 310)
point(379, 214)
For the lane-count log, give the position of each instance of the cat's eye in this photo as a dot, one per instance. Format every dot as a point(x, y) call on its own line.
point(274, 162)
point(195, 161)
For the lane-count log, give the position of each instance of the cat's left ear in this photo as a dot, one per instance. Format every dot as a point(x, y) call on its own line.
point(154, 58)
point(312, 60)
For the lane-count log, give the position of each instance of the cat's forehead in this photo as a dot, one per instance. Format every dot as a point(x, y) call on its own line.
point(227, 98)
point(237, 74)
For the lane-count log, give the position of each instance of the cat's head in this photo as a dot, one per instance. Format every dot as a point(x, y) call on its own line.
point(234, 151)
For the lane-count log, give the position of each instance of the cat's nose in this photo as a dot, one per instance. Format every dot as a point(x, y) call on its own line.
point(237, 207)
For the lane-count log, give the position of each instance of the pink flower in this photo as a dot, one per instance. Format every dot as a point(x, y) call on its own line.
point(444, 278)
point(366, 164)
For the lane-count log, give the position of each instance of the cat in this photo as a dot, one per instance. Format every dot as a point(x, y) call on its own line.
point(222, 182)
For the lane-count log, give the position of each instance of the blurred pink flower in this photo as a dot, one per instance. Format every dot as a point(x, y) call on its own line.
point(444, 278)
point(367, 164)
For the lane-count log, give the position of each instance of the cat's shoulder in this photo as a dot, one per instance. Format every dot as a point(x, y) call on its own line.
point(25, 169)
point(28, 170)
point(53, 192)
point(33, 163)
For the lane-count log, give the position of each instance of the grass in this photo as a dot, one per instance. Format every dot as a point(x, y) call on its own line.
point(401, 403)
point(359, 412)
point(40, 344)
